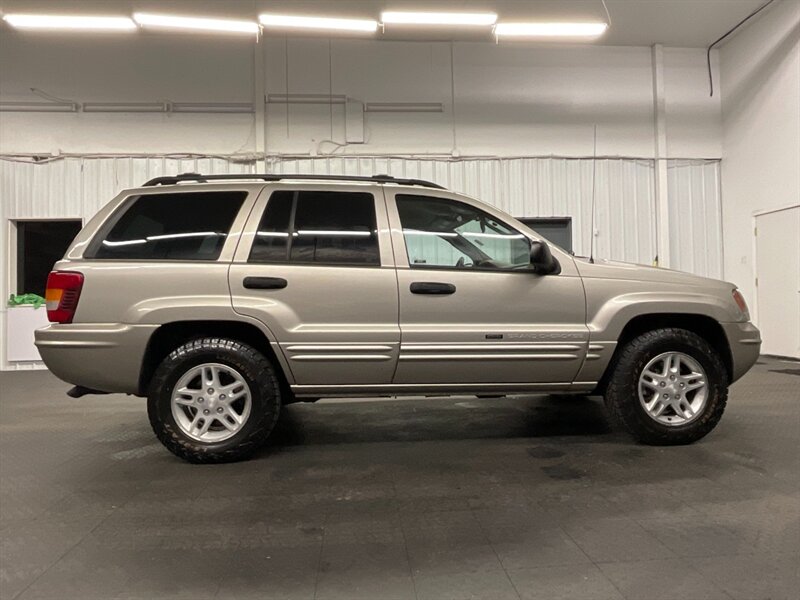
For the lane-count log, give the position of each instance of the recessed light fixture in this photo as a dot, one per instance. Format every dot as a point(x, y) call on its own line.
point(70, 22)
point(299, 22)
point(550, 30)
point(195, 23)
point(438, 18)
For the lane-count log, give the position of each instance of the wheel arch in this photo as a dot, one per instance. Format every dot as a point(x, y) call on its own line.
point(171, 335)
point(705, 326)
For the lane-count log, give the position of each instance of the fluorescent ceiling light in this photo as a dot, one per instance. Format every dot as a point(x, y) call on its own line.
point(422, 232)
point(497, 236)
point(438, 18)
point(334, 232)
point(73, 22)
point(195, 23)
point(188, 234)
point(297, 22)
point(124, 242)
point(548, 30)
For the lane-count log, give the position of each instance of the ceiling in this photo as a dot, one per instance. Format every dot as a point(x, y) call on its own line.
point(680, 23)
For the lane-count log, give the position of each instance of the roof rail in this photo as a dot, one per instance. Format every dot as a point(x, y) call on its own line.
point(197, 177)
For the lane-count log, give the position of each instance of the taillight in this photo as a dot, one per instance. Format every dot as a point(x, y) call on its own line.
point(739, 299)
point(62, 294)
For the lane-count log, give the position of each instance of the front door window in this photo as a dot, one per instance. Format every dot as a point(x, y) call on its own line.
point(442, 233)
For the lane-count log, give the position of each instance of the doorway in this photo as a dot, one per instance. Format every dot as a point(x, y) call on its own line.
point(777, 261)
point(40, 243)
point(557, 230)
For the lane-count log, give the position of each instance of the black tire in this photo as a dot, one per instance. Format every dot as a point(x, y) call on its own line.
point(622, 395)
point(265, 394)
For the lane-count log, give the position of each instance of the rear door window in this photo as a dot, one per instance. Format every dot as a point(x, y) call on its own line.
point(170, 226)
point(321, 228)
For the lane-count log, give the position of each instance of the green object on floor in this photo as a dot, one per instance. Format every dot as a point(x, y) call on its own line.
point(19, 300)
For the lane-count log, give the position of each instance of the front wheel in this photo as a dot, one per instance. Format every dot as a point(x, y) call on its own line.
point(667, 387)
point(214, 400)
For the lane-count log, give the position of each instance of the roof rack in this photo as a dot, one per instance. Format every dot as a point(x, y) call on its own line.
point(197, 177)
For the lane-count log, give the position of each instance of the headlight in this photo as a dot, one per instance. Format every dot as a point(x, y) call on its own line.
point(739, 299)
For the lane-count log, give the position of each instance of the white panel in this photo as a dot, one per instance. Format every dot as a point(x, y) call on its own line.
point(777, 303)
point(695, 218)
point(21, 322)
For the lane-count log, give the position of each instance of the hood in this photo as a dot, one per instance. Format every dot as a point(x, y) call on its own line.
point(609, 269)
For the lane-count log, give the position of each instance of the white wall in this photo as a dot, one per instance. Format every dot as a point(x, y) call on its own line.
point(760, 80)
point(125, 68)
point(510, 100)
point(694, 125)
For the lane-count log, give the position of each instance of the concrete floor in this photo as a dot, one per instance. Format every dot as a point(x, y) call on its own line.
point(521, 497)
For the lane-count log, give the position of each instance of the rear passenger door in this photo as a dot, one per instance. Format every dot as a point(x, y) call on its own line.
point(315, 266)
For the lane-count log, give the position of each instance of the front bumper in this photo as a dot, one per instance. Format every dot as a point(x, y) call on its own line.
point(744, 340)
point(100, 356)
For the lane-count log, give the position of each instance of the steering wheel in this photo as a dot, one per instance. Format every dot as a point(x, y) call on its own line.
point(460, 263)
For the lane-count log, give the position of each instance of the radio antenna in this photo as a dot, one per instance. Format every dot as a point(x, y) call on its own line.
point(594, 195)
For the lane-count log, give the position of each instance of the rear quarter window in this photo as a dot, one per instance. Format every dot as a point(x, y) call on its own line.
point(169, 226)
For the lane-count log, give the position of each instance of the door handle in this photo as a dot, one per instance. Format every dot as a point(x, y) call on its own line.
point(265, 283)
point(430, 287)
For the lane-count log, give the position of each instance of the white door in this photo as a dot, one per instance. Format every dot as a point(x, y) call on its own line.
point(778, 281)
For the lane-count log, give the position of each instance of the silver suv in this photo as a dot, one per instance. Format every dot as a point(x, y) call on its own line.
point(222, 298)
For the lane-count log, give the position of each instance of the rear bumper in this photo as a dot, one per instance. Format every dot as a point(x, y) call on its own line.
point(744, 340)
point(100, 356)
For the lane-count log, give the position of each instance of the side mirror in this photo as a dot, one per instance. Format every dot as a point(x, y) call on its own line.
point(542, 260)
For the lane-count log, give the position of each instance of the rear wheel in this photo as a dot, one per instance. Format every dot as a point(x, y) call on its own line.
point(214, 400)
point(667, 387)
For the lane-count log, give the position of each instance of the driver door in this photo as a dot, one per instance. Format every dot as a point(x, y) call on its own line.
point(470, 310)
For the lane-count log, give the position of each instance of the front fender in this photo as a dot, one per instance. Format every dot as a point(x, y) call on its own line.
point(608, 315)
point(609, 310)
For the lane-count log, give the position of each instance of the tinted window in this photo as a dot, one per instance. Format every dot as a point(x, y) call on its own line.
point(271, 243)
point(328, 228)
point(446, 233)
point(177, 226)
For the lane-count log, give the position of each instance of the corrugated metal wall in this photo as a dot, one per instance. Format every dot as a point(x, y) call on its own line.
point(625, 216)
point(79, 187)
point(695, 217)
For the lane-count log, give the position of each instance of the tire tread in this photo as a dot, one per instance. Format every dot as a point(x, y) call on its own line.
point(625, 412)
point(192, 451)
